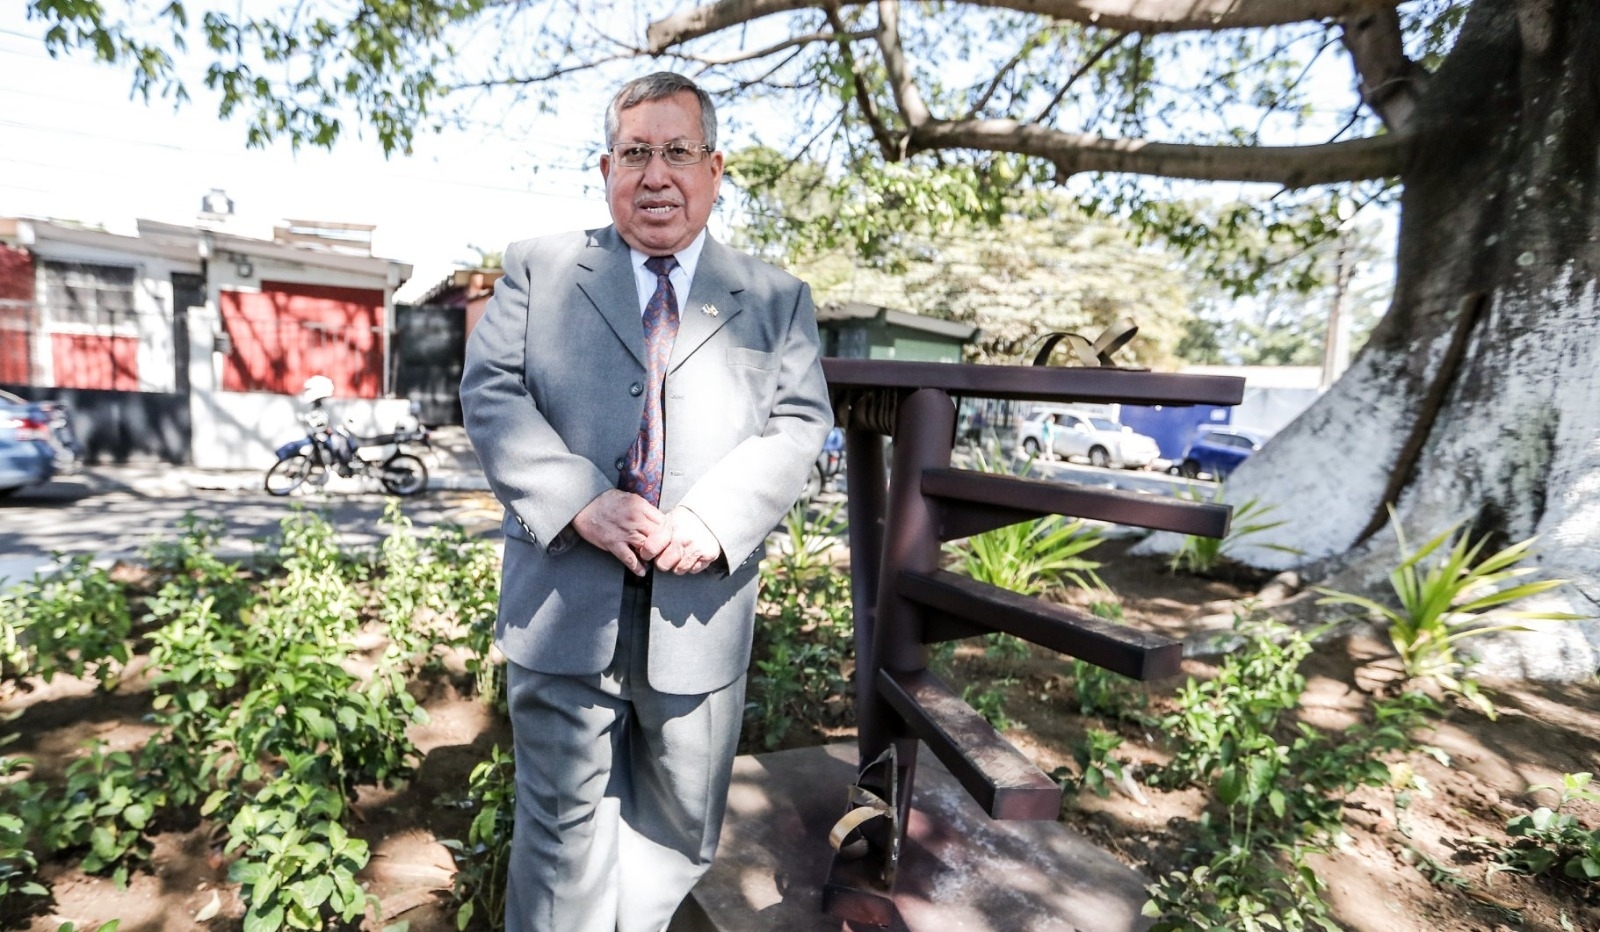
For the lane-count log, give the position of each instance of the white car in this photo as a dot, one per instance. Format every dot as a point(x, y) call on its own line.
point(1101, 441)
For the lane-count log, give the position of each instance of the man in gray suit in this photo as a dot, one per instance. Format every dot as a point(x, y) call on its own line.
point(646, 423)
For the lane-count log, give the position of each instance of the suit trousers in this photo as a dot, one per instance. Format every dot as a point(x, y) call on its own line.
point(620, 789)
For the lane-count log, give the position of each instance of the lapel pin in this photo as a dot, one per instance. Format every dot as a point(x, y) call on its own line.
point(710, 310)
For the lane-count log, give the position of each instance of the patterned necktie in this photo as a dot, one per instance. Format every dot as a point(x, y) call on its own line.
point(643, 473)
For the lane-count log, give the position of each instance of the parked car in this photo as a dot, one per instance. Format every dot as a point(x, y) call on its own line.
point(1101, 441)
point(37, 442)
point(1217, 451)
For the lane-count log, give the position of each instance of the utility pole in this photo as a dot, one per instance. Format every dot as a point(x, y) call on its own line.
point(1336, 344)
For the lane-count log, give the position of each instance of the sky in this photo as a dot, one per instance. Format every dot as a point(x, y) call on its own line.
point(74, 146)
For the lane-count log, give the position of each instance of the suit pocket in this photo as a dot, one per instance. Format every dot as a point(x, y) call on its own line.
point(751, 358)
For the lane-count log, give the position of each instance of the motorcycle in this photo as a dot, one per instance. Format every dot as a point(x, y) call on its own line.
point(326, 450)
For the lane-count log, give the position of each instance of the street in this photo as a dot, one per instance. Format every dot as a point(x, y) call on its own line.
point(113, 512)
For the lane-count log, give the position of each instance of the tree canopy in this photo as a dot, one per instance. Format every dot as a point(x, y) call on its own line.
point(1472, 400)
point(924, 112)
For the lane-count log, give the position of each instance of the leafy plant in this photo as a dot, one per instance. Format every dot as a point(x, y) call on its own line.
point(20, 816)
point(1202, 555)
point(266, 712)
point(804, 643)
point(989, 701)
point(1553, 840)
point(1280, 783)
point(1240, 888)
point(1105, 692)
point(1461, 594)
point(482, 860)
point(1097, 769)
point(1031, 556)
point(106, 807)
point(297, 865)
point(73, 621)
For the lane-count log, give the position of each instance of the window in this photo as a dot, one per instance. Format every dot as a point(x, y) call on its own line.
point(88, 311)
point(86, 294)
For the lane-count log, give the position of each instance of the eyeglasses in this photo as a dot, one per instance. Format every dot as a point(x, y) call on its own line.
point(679, 153)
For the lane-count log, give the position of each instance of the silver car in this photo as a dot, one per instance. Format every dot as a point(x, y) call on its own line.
point(37, 442)
point(1101, 441)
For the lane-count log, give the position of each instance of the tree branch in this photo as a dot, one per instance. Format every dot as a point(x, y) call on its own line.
point(1083, 69)
point(1146, 16)
point(842, 37)
point(887, 145)
point(913, 110)
point(1391, 83)
point(1290, 166)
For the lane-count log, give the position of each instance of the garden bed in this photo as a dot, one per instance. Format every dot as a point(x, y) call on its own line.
point(1420, 851)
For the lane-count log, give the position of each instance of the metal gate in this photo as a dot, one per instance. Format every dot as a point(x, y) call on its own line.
point(426, 359)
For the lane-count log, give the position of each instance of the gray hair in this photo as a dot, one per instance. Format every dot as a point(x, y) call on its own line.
point(659, 86)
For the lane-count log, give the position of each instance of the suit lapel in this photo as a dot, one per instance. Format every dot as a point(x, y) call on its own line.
point(715, 297)
point(605, 276)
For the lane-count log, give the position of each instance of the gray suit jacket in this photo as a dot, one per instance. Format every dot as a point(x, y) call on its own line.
point(553, 397)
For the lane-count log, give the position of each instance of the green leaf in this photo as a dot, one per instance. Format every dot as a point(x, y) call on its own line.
point(269, 921)
point(1230, 785)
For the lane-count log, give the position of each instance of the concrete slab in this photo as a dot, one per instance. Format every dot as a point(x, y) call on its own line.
point(960, 869)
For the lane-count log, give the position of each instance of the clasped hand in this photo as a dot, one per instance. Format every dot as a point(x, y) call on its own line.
point(638, 534)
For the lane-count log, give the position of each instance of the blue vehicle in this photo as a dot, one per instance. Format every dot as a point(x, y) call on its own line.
point(1217, 451)
point(37, 442)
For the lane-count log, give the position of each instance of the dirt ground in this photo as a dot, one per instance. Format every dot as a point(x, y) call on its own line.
point(1380, 881)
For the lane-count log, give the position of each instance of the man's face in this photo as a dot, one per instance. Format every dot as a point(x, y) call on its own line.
point(659, 209)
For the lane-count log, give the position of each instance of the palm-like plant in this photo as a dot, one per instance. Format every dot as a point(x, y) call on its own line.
point(1201, 555)
point(1031, 556)
point(1461, 594)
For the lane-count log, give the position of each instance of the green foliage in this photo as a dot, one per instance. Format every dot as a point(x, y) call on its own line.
point(73, 621)
point(482, 860)
point(440, 593)
point(1097, 769)
point(1463, 593)
point(989, 701)
point(1280, 783)
point(261, 716)
point(1029, 263)
point(298, 78)
point(1239, 888)
point(1202, 555)
point(1103, 692)
point(804, 645)
point(1029, 557)
point(1551, 840)
point(1106, 693)
point(297, 865)
point(20, 818)
point(107, 805)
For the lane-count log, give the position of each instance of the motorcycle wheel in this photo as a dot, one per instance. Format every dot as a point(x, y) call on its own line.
point(291, 473)
point(403, 474)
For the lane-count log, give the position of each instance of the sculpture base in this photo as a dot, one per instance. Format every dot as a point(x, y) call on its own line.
point(959, 869)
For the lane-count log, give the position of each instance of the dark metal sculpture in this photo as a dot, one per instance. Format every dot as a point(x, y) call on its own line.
point(900, 513)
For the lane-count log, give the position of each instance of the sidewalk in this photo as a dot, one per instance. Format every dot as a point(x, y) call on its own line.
point(452, 467)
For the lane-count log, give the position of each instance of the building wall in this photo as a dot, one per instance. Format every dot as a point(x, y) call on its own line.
point(131, 350)
point(16, 313)
point(283, 333)
point(241, 430)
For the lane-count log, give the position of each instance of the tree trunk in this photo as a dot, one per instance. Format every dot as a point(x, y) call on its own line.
point(1478, 397)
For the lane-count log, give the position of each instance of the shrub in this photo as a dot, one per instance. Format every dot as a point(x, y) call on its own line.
point(1462, 594)
point(1202, 555)
point(482, 860)
point(804, 647)
point(1552, 840)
